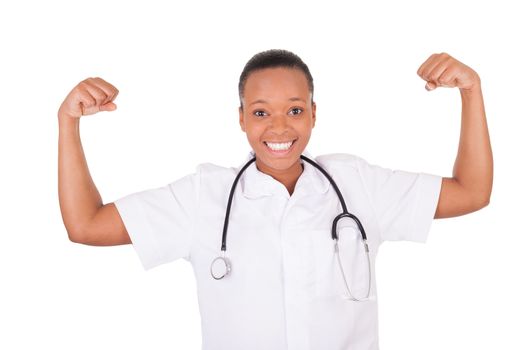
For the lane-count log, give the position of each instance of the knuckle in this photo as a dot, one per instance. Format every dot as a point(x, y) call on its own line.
point(80, 87)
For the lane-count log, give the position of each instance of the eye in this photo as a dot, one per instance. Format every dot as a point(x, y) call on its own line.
point(296, 111)
point(259, 113)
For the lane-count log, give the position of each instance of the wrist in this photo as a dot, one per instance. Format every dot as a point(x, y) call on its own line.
point(66, 122)
point(475, 88)
point(472, 96)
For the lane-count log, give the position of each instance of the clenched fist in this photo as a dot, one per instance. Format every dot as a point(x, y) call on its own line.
point(444, 70)
point(89, 97)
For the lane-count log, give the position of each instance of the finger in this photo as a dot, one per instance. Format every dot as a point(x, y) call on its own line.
point(92, 88)
point(431, 65)
point(430, 86)
point(83, 104)
point(436, 74)
point(110, 90)
point(110, 106)
point(425, 66)
point(448, 77)
point(87, 104)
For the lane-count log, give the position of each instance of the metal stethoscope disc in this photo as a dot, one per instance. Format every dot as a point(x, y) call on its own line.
point(220, 267)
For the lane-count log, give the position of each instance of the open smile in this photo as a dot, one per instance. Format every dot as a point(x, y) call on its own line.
point(279, 147)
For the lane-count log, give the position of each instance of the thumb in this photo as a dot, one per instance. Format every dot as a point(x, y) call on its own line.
point(430, 86)
point(110, 106)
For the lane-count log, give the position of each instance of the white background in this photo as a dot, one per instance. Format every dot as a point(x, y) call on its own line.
point(177, 68)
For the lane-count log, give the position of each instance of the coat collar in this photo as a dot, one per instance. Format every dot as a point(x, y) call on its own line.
point(256, 184)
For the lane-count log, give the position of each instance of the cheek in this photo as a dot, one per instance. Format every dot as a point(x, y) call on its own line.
point(305, 130)
point(253, 135)
point(254, 130)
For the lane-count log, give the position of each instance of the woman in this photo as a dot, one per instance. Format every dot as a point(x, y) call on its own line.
point(288, 288)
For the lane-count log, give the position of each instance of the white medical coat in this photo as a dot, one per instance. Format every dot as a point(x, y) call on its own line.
point(285, 290)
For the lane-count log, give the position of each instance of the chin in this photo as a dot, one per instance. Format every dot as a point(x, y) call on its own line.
point(278, 163)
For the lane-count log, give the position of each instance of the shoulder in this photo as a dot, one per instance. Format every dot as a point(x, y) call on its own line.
point(341, 160)
point(205, 175)
point(215, 175)
point(214, 170)
point(353, 167)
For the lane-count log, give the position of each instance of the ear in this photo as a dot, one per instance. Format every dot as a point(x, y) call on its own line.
point(241, 119)
point(314, 106)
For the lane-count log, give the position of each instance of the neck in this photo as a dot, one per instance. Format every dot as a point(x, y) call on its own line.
point(288, 177)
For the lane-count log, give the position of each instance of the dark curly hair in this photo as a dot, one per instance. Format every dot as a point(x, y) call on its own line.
point(271, 59)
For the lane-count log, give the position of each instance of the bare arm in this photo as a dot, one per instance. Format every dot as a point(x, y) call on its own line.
point(85, 217)
point(471, 185)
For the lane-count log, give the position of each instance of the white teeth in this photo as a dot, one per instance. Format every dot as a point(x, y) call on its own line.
point(279, 146)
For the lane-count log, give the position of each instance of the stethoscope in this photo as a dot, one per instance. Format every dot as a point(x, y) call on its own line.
point(227, 267)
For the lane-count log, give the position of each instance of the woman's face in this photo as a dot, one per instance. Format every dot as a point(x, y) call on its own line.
point(277, 117)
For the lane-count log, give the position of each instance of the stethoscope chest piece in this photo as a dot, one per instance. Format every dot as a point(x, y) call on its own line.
point(220, 267)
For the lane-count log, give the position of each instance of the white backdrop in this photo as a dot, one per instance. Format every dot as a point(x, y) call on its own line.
point(177, 68)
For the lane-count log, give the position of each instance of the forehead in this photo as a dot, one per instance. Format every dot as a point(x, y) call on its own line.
point(276, 82)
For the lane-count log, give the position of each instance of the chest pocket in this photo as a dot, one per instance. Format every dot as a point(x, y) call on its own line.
point(352, 259)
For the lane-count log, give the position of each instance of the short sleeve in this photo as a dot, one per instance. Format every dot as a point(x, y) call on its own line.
point(404, 202)
point(160, 220)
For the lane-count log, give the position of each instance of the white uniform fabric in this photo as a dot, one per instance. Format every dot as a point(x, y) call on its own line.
point(285, 290)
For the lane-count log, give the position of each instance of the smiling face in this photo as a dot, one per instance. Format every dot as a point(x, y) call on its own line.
point(277, 117)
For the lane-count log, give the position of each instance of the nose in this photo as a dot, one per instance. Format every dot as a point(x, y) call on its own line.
point(279, 123)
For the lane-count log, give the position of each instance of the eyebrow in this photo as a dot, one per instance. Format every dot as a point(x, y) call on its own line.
point(264, 101)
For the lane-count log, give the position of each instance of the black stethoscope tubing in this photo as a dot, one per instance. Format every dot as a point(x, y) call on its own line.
point(345, 212)
point(227, 263)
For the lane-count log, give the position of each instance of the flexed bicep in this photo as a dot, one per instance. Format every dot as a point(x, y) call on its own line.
point(456, 200)
point(104, 229)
